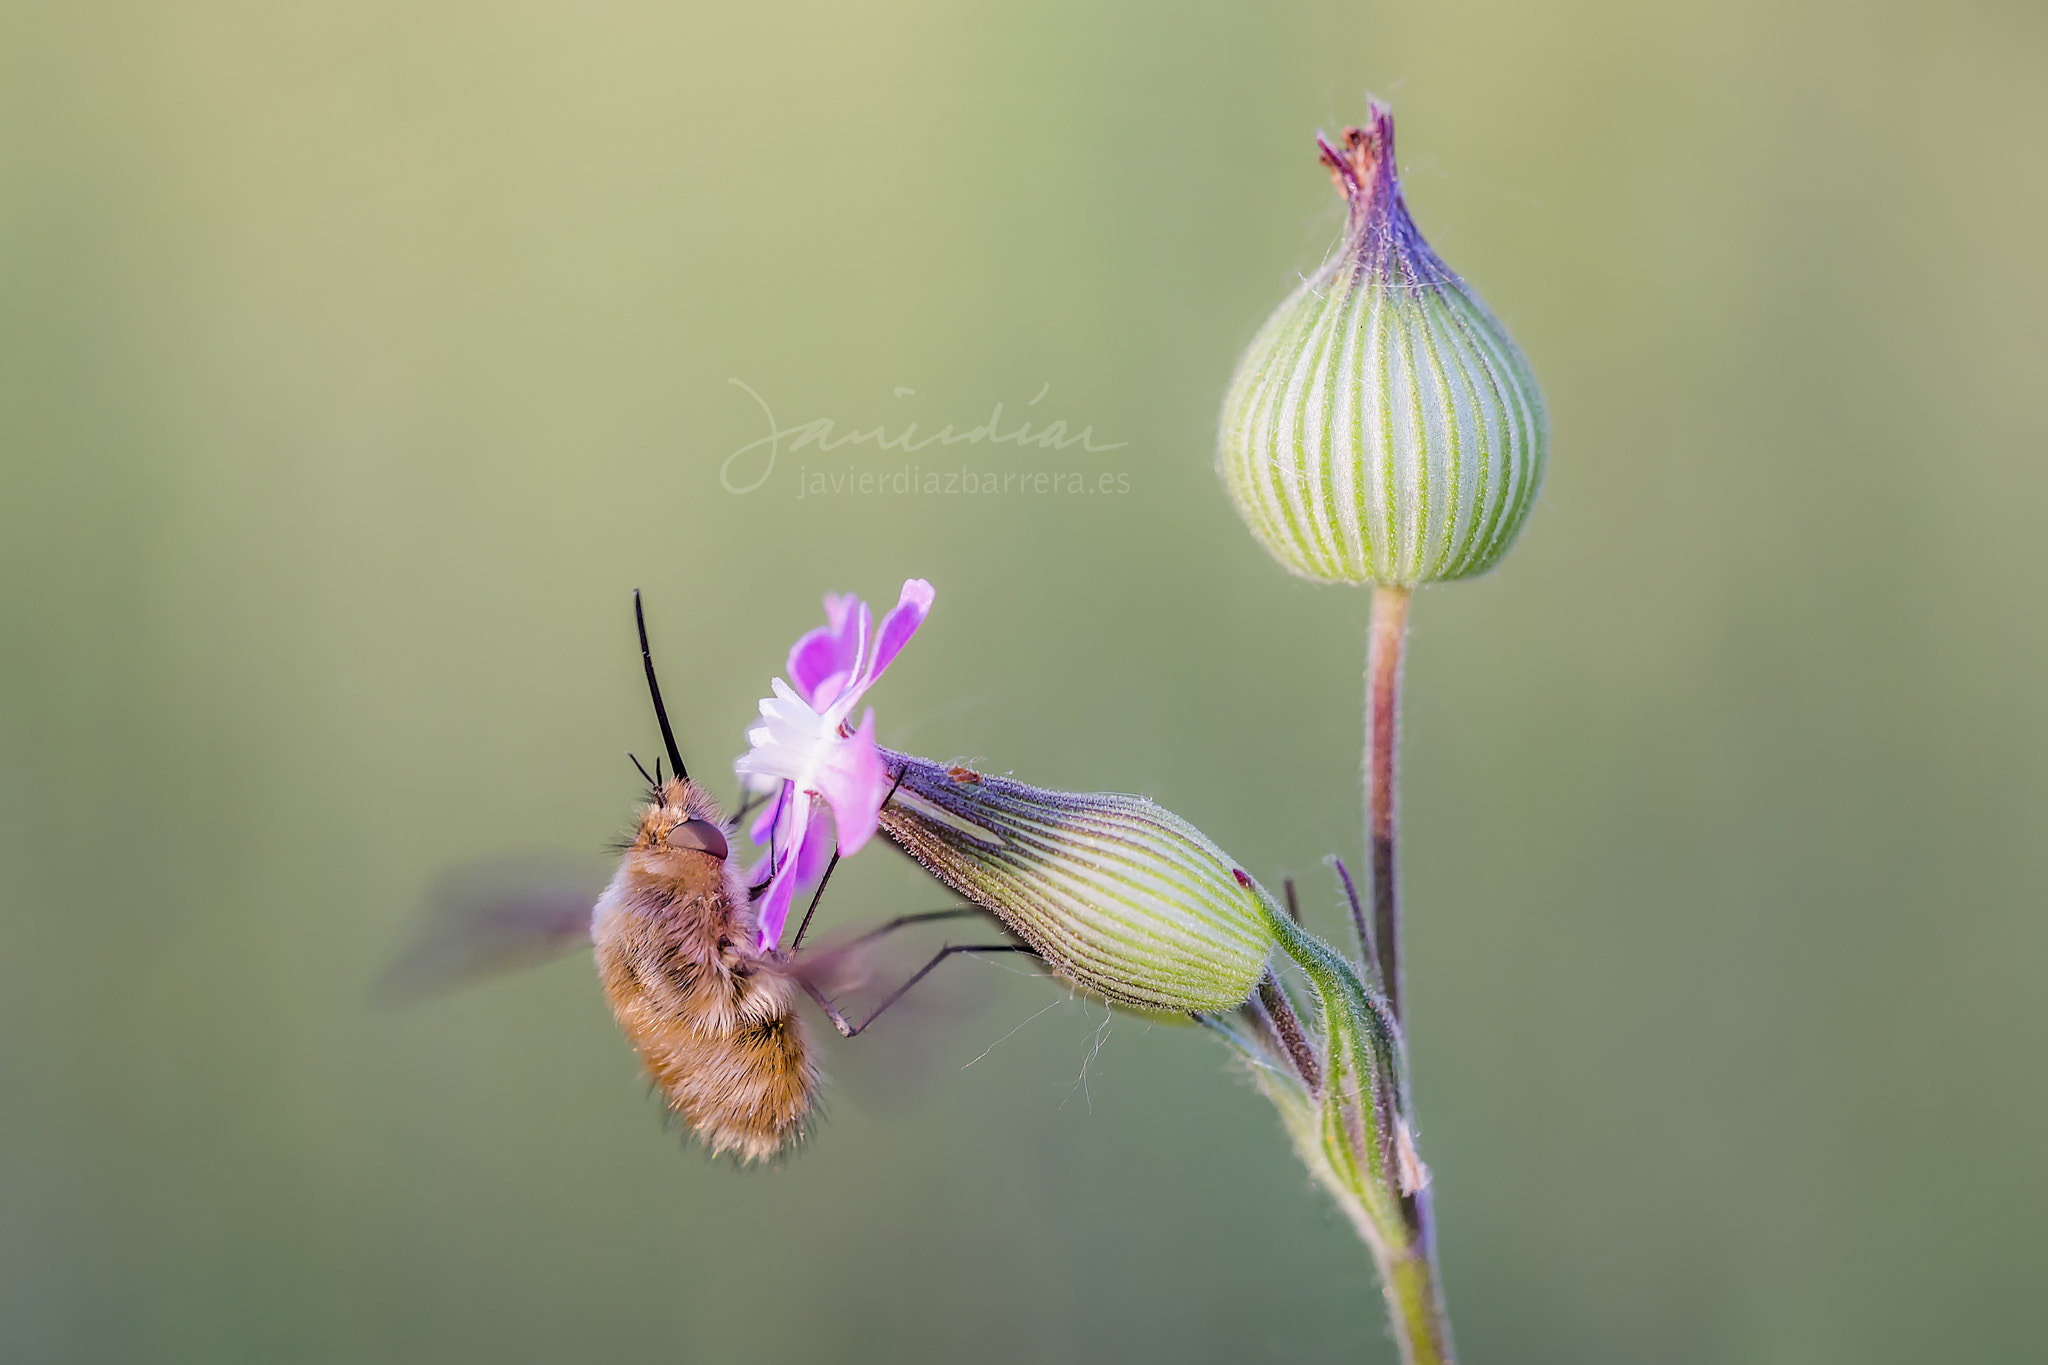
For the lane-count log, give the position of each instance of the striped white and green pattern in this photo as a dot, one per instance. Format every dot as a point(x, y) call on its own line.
point(1383, 427)
point(1125, 898)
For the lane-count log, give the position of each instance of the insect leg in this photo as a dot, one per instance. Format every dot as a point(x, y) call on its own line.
point(829, 868)
point(873, 934)
point(747, 805)
point(853, 1030)
point(921, 917)
point(882, 931)
point(816, 896)
point(755, 893)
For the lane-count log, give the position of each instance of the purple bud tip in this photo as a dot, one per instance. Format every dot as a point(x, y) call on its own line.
point(1362, 164)
point(1242, 880)
point(1381, 237)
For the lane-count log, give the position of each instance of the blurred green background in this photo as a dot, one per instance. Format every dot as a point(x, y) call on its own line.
point(357, 360)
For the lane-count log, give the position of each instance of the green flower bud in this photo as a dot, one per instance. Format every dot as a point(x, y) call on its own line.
point(1382, 427)
point(1126, 899)
point(1130, 901)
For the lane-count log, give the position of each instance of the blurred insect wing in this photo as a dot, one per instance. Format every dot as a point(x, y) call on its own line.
point(490, 917)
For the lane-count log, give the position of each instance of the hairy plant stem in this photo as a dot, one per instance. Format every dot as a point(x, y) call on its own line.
point(1353, 1135)
point(1408, 1273)
point(1335, 1061)
point(1382, 788)
point(1415, 1298)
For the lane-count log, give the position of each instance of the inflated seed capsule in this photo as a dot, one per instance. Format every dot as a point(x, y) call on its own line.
point(1383, 427)
point(1118, 894)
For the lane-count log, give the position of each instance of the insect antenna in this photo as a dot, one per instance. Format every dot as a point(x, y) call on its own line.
point(653, 783)
point(668, 736)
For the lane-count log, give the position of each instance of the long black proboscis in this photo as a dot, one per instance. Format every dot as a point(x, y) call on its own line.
point(668, 736)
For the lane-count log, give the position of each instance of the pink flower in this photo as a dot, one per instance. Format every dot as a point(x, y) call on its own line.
point(819, 665)
point(805, 743)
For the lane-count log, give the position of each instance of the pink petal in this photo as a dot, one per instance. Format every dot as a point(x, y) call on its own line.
point(854, 782)
point(765, 834)
point(774, 910)
point(827, 651)
point(828, 689)
point(838, 607)
point(863, 641)
point(765, 821)
point(813, 658)
point(774, 905)
point(811, 855)
point(900, 624)
point(814, 852)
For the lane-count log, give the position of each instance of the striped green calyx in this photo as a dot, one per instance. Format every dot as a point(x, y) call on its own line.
point(1382, 427)
point(1337, 1070)
point(1117, 894)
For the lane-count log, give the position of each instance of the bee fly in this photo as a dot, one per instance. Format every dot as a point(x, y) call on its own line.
point(712, 1015)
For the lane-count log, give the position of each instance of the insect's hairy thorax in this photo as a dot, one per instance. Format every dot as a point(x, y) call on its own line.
point(711, 1017)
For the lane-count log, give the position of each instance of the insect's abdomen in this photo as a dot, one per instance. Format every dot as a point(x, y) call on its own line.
point(715, 1026)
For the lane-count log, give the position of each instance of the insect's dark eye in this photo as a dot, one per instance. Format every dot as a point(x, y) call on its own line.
point(701, 835)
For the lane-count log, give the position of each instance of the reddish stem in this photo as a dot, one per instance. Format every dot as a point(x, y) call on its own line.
point(1382, 790)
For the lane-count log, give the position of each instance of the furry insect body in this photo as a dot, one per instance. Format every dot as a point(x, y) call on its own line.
point(713, 1018)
